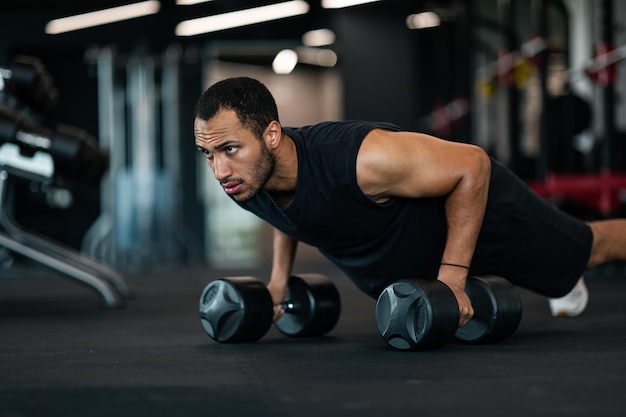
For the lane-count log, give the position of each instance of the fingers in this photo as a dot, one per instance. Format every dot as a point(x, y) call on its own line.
point(278, 311)
point(457, 285)
point(278, 294)
point(466, 313)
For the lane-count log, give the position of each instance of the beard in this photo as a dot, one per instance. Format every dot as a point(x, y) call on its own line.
point(260, 173)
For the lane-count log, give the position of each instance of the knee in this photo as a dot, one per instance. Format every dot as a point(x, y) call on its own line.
point(601, 247)
point(595, 254)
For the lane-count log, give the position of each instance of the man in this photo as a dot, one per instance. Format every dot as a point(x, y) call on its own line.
point(384, 204)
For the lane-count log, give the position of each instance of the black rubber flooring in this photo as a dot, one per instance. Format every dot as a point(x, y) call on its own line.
point(62, 354)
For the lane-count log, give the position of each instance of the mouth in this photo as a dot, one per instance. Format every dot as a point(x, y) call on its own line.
point(231, 188)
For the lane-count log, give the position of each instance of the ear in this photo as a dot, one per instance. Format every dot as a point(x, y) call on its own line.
point(273, 135)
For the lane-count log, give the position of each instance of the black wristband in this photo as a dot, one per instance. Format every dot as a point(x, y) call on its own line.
point(455, 265)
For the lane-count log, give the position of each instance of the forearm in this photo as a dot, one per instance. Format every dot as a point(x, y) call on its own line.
point(465, 208)
point(284, 253)
point(464, 217)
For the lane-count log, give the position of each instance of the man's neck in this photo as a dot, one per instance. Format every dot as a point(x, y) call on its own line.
point(282, 185)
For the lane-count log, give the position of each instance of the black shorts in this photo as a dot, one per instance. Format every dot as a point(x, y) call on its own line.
point(529, 241)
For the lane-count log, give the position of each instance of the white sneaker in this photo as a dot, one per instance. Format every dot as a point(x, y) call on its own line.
point(572, 304)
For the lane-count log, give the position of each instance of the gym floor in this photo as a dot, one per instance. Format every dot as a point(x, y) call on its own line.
point(62, 354)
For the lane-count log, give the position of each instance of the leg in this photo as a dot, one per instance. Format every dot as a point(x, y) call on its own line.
point(609, 245)
point(609, 241)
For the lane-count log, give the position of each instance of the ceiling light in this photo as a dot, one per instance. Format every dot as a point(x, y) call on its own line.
point(190, 2)
point(316, 56)
point(241, 18)
point(285, 61)
point(338, 4)
point(423, 20)
point(318, 37)
point(102, 17)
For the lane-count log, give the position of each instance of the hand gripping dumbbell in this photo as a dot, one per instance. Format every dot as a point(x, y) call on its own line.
point(240, 309)
point(417, 314)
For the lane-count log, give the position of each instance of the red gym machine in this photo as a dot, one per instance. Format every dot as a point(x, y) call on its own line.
point(605, 190)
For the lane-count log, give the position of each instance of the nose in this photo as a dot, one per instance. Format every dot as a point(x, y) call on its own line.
point(221, 168)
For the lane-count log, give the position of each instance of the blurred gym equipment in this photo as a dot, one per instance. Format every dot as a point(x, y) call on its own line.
point(47, 156)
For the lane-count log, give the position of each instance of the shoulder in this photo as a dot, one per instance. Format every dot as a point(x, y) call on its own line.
point(337, 131)
point(413, 165)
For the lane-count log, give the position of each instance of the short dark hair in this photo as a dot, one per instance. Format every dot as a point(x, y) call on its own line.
point(249, 98)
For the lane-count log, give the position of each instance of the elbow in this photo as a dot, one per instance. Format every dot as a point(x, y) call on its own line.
point(479, 168)
point(483, 163)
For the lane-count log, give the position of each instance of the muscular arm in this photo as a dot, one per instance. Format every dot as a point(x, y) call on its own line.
point(284, 253)
point(412, 165)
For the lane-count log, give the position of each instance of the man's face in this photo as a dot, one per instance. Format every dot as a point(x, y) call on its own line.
point(240, 161)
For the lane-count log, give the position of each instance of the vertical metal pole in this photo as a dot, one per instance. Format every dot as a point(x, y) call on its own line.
point(508, 20)
point(100, 241)
point(141, 179)
point(170, 102)
point(106, 112)
point(468, 29)
point(542, 29)
point(608, 90)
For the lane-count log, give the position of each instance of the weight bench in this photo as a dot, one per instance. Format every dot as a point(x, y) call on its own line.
point(51, 157)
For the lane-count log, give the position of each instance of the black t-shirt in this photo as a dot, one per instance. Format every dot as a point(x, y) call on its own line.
point(373, 244)
point(523, 238)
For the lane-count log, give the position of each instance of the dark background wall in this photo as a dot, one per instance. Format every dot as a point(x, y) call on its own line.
point(377, 67)
point(389, 73)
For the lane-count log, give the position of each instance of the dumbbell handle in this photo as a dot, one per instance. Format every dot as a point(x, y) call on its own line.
point(288, 306)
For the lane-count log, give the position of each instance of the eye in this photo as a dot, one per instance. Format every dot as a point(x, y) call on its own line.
point(207, 154)
point(231, 149)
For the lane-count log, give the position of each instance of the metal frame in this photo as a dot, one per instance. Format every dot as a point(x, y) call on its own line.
point(111, 286)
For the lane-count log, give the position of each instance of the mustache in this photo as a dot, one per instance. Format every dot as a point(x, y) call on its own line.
point(231, 180)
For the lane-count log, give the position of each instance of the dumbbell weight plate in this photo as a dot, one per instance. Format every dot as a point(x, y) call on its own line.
point(417, 314)
point(236, 309)
point(312, 306)
point(497, 310)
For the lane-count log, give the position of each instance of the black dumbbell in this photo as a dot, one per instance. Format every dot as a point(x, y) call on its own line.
point(418, 314)
point(497, 310)
point(240, 309)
